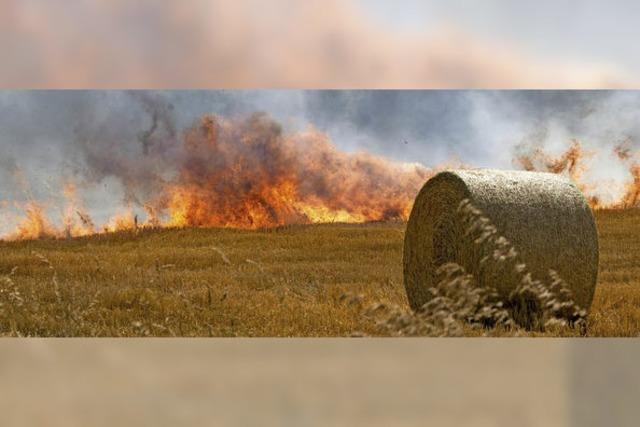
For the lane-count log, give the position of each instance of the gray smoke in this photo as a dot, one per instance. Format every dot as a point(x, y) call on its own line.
point(121, 145)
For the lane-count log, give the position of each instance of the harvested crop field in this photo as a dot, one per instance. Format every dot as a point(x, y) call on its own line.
point(291, 281)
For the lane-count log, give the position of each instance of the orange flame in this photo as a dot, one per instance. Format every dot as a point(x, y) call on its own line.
point(76, 220)
point(631, 197)
point(35, 224)
point(248, 174)
point(573, 163)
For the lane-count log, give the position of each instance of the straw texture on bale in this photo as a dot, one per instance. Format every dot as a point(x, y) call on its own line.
point(544, 216)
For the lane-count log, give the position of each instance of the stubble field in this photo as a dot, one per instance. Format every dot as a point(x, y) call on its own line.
point(291, 281)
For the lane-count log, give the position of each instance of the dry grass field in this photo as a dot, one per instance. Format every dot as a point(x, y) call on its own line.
point(289, 281)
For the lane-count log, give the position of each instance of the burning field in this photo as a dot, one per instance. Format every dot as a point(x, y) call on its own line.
point(248, 173)
point(240, 173)
point(229, 223)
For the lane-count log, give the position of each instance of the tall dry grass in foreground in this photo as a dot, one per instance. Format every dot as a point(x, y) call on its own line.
point(461, 301)
point(289, 281)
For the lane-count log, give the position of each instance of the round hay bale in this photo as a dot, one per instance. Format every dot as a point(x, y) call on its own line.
point(544, 216)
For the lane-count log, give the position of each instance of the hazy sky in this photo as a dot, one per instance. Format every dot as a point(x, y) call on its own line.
point(578, 30)
point(320, 44)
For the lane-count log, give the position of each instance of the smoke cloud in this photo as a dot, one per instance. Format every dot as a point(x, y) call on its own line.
point(94, 159)
point(285, 43)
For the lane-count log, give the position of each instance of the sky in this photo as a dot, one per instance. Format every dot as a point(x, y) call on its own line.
point(589, 30)
point(342, 44)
